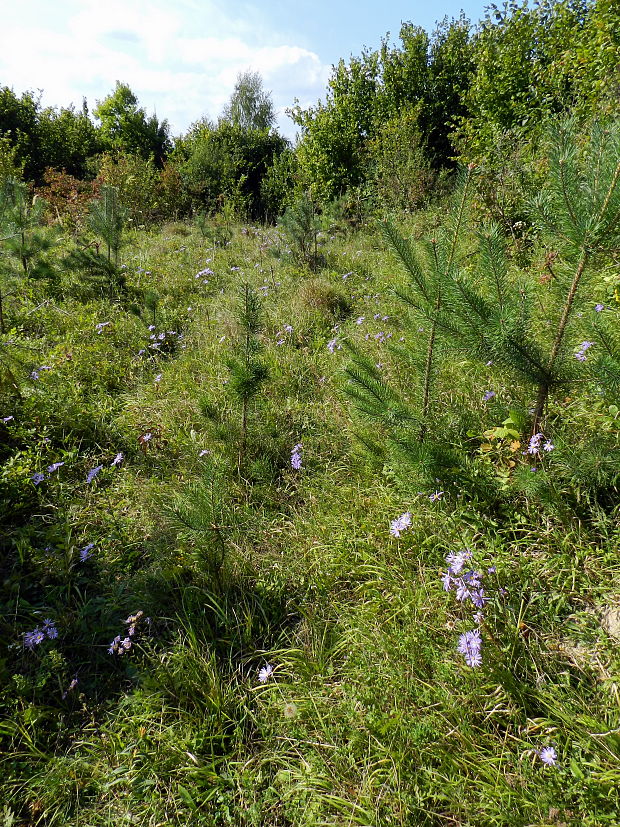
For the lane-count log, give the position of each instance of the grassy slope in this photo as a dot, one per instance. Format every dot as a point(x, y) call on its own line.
point(371, 716)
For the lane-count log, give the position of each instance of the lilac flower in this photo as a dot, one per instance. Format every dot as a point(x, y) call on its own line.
point(548, 756)
point(400, 524)
point(93, 473)
point(488, 395)
point(265, 673)
point(54, 467)
point(117, 460)
point(38, 478)
point(296, 456)
point(86, 553)
point(470, 645)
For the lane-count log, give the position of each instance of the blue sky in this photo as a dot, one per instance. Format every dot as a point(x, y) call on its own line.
point(182, 57)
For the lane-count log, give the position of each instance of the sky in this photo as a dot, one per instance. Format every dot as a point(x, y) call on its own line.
point(182, 57)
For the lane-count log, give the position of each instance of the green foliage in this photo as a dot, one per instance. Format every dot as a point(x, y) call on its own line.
point(125, 126)
point(248, 373)
point(137, 183)
point(107, 220)
point(227, 163)
point(301, 224)
point(24, 240)
point(250, 106)
point(402, 177)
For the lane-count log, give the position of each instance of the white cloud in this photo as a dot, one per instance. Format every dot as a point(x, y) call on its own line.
point(181, 59)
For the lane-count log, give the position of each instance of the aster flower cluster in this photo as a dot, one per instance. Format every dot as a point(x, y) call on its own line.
point(468, 586)
point(38, 477)
point(165, 339)
point(38, 635)
point(538, 442)
point(400, 524)
point(296, 456)
point(120, 645)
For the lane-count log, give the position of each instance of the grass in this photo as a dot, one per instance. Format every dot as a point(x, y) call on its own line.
point(371, 716)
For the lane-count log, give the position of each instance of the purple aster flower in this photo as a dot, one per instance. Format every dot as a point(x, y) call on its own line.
point(534, 444)
point(548, 446)
point(446, 579)
point(437, 495)
point(360, 320)
point(288, 328)
point(8, 419)
point(86, 552)
point(158, 378)
point(49, 628)
point(470, 645)
point(332, 345)
point(488, 395)
point(400, 524)
point(38, 478)
point(456, 560)
point(34, 375)
point(114, 645)
point(99, 327)
point(548, 756)
point(265, 672)
point(296, 456)
point(54, 467)
point(34, 638)
point(93, 473)
point(204, 452)
point(117, 459)
point(599, 307)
